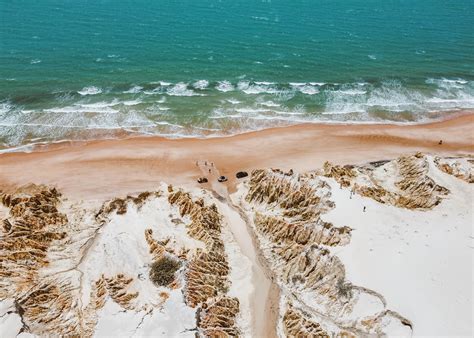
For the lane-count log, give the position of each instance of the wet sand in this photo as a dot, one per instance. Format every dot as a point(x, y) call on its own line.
point(109, 168)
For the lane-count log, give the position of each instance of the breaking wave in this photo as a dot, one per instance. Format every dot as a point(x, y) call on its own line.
point(224, 86)
point(92, 90)
point(207, 108)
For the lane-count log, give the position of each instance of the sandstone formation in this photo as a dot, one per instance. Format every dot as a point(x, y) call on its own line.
point(296, 199)
point(119, 205)
point(460, 167)
point(207, 272)
point(412, 188)
point(41, 252)
point(295, 324)
point(217, 318)
point(34, 223)
point(37, 232)
point(297, 243)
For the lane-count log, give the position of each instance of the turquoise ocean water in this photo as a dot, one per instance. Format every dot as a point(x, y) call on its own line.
point(75, 69)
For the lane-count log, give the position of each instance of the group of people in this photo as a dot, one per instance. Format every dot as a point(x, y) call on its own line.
point(206, 164)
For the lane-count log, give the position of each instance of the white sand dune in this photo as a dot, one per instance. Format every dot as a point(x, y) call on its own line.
point(420, 261)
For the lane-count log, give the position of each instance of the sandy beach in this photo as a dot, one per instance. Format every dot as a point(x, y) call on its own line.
point(115, 167)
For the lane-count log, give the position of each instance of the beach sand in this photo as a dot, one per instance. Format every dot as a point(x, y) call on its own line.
point(105, 169)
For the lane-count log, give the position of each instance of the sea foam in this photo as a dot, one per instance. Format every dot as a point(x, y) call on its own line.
point(224, 86)
point(92, 90)
point(181, 89)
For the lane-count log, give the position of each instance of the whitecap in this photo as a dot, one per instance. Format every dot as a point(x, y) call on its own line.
point(372, 57)
point(270, 104)
point(224, 86)
point(351, 92)
point(92, 90)
point(82, 109)
point(448, 84)
point(181, 89)
point(309, 90)
point(232, 101)
point(131, 102)
point(297, 84)
point(201, 84)
point(304, 88)
point(101, 104)
point(249, 88)
point(251, 110)
point(35, 61)
point(133, 90)
point(5, 107)
point(102, 107)
point(155, 91)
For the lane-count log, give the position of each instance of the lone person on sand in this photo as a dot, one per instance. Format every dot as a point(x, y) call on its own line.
point(364, 209)
point(440, 142)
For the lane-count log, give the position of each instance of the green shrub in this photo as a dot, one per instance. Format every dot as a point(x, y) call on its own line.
point(162, 271)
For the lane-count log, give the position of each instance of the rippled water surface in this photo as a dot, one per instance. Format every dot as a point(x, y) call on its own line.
point(86, 69)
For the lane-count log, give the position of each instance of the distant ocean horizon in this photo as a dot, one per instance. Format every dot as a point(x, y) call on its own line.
point(96, 69)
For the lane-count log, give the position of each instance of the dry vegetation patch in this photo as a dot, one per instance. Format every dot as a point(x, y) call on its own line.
point(162, 272)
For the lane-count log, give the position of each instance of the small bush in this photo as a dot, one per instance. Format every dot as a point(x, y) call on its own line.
point(344, 289)
point(162, 271)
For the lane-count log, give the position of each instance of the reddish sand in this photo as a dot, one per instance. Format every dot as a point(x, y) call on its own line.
point(104, 169)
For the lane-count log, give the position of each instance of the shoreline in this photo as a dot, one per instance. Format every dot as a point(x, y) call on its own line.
point(108, 168)
point(123, 135)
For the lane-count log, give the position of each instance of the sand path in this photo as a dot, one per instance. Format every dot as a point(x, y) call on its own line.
point(264, 298)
